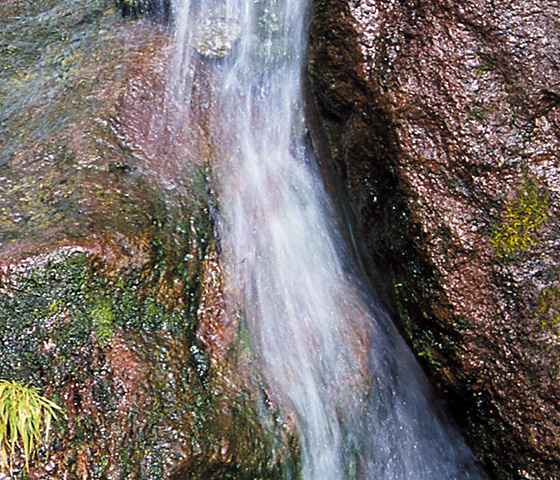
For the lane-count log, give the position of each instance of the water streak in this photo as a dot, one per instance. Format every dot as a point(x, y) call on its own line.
point(329, 354)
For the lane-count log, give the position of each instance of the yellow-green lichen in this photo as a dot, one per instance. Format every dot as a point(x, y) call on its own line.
point(548, 307)
point(523, 220)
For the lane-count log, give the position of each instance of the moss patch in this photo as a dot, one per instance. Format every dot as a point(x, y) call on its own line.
point(118, 348)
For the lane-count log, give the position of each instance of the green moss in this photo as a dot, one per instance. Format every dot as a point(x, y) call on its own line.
point(489, 65)
point(489, 434)
point(103, 319)
point(51, 314)
point(523, 219)
point(477, 114)
point(426, 346)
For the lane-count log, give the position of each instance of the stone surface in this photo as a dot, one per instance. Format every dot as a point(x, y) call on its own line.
point(444, 122)
point(110, 285)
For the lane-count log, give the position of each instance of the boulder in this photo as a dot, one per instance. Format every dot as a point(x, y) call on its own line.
point(111, 296)
point(443, 121)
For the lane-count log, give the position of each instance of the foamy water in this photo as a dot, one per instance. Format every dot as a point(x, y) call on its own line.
point(330, 356)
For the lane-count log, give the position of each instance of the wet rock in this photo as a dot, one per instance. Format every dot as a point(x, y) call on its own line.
point(214, 36)
point(110, 286)
point(161, 9)
point(444, 122)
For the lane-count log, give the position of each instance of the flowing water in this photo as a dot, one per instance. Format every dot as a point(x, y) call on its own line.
point(329, 355)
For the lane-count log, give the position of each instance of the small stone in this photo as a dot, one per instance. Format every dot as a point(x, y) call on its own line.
point(215, 37)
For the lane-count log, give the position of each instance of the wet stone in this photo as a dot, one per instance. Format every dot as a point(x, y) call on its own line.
point(444, 123)
point(104, 301)
point(215, 36)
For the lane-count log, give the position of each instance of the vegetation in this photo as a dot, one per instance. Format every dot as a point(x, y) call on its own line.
point(103, 319)
point(524, 218)
point(25, 421)
point(548, 307)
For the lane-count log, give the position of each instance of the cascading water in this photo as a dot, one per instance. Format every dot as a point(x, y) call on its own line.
point(329, 355)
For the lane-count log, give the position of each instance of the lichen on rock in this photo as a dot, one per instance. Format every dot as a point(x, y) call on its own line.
point(524, 218)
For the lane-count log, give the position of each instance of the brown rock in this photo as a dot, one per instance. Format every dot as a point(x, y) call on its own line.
point(445, 124)
point(110, 289)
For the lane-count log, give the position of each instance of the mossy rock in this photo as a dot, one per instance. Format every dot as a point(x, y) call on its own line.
point(138, 389)
point(105, 254)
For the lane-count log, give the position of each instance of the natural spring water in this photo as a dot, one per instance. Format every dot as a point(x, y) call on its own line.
point(329, 354)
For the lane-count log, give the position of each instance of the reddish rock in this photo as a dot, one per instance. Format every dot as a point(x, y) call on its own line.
point(444, 122)
point(110, 289)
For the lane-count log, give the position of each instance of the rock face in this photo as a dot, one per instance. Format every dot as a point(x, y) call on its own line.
point(110, 286)
point(444, 121)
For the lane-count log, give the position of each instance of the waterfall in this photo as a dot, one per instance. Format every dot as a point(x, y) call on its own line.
point(327, 352)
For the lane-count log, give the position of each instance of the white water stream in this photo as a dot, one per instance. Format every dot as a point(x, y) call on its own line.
point(329, 355)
